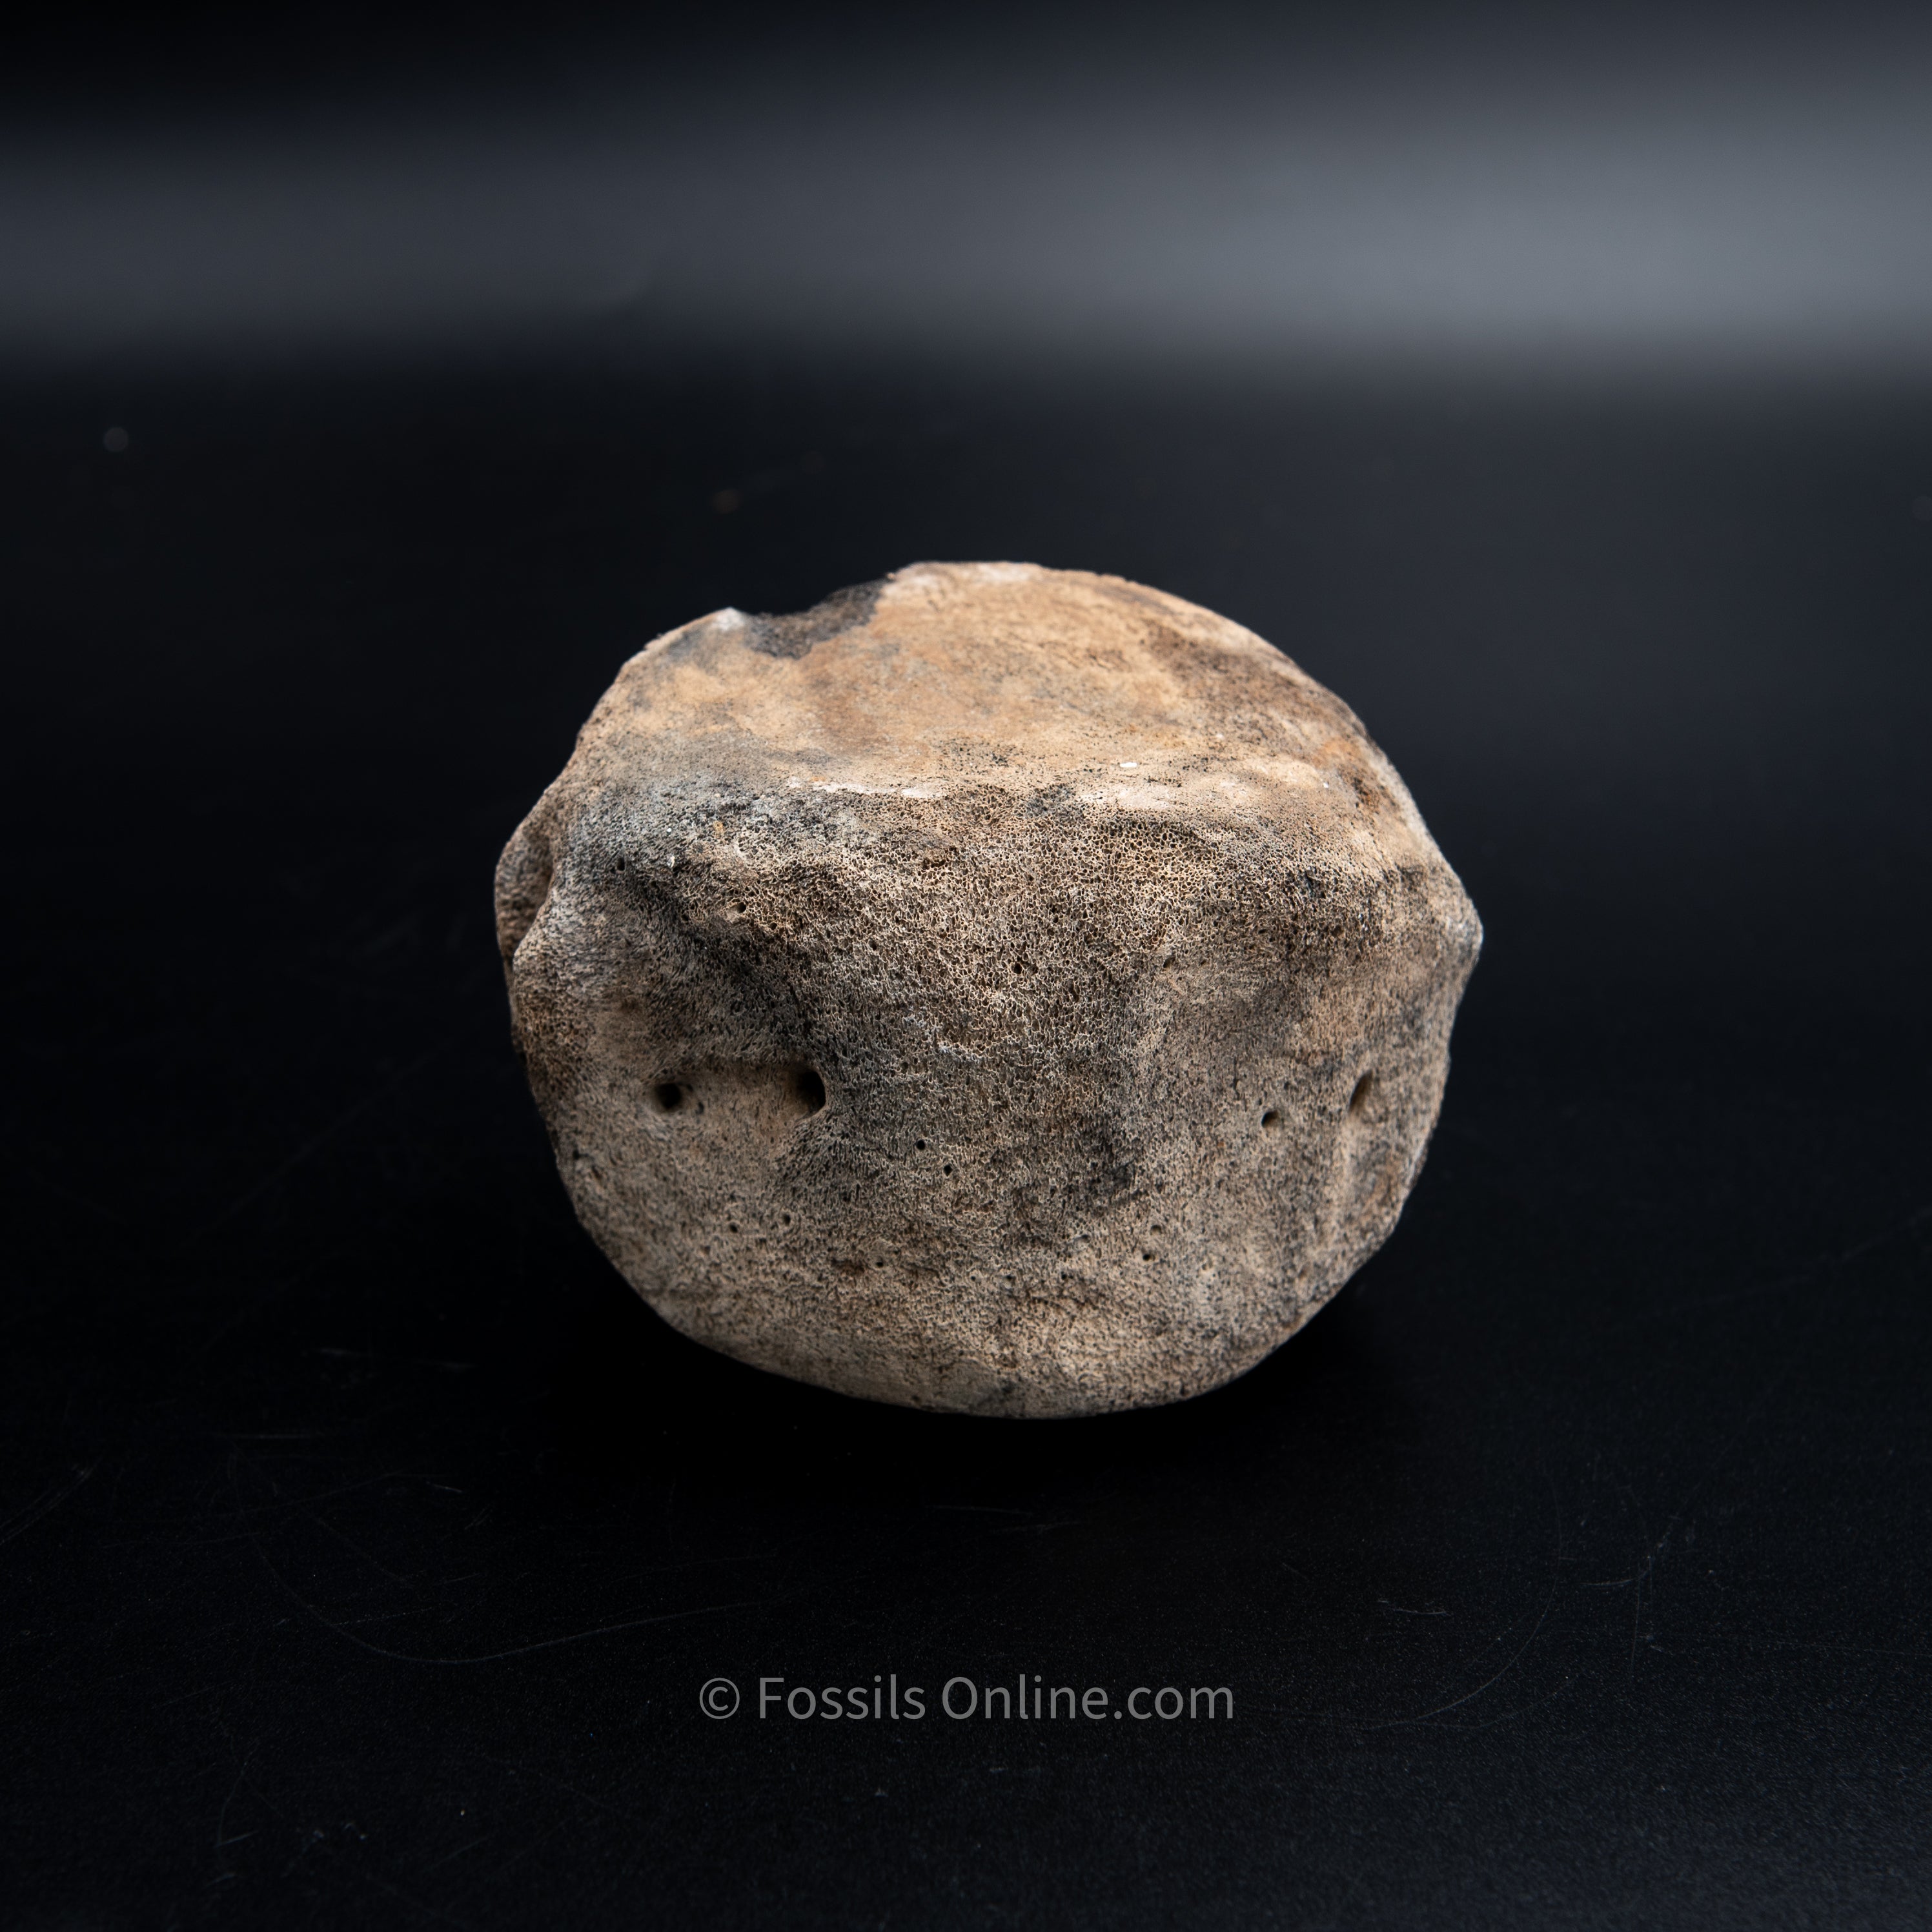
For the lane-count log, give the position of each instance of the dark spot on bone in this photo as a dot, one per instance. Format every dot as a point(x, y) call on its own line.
point(793, 636)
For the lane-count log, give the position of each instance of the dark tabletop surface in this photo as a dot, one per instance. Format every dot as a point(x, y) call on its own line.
point(365, 1543)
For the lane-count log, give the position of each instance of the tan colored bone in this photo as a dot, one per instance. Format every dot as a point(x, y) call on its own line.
point(999, 989)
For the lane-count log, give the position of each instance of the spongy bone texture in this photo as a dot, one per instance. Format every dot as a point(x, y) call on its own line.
point(999, 989)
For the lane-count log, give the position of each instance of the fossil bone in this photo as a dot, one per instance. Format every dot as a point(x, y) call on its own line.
point(999, 989)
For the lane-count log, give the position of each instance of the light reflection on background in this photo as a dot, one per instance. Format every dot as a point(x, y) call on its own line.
point(1503, 188)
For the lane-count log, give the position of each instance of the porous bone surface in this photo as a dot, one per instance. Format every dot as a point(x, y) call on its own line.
point(999, 989)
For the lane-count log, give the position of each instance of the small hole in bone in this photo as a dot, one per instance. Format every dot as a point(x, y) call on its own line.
point(808, 1089)
point(667, 1097)
point(949, 1167)
point(1359, 1099)
point(1271, 1119)
point(920, 1145)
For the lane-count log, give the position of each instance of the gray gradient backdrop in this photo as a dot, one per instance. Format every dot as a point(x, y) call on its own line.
point(1561, 187)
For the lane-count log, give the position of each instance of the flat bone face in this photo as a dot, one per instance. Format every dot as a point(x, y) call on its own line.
point(998, 989)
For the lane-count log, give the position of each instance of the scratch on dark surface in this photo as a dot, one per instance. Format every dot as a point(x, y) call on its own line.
point(356, 1549)
point(1522, 1649)
point(391, 935)
point(348, 1636)
point(187, 1696)
point(1748, 1642)
point(1832, 1267)
point(285, 1435)
point(519, 1770)
point(436, 1912)
point(449, 1858)
point(49, 1500)
point(62, 1191)
point(1470, 1697)
point(383, 1358)
point(1860, 1249)
point(1799, 1278)
point(520, 1649)
point(222, 1840)
point(305, 1504)
point(1642, 1581)
point(340, 1628)
point(548, 1643)
point(323, 1136)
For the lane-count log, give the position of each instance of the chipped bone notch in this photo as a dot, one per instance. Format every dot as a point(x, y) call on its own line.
point(998, 989)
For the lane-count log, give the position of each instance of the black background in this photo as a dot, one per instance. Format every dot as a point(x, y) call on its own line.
point(364, 1544)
